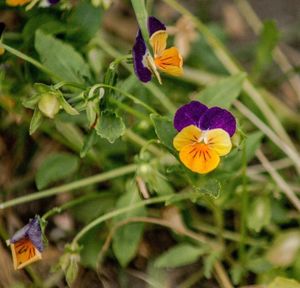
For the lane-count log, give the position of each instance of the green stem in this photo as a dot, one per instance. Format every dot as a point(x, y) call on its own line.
point(123, 210)
point(244, 208)
point(30, 60)
point(129, 109)
point(72, 203)
point(71, 186)
point(128, 95)
point(71, 84)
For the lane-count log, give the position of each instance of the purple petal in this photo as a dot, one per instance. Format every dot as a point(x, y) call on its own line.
point(35, 233)
point(32, 231)
point(20, 234)
point(138, 52)
point(189, 114)
point(216, 117)
point(154, 25)
point(2, 27)
point(53, 2)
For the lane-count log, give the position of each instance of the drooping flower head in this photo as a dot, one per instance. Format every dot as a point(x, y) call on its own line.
point(166, 60)
point(204, 135)
point(26, 244)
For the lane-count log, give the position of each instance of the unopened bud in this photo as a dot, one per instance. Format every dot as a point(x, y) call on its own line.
point(49, 105)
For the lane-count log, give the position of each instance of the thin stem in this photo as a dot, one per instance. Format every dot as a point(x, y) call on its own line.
point(72, 203)
point(244, 208)
point(293, 155)
point(71, 186)
point(142, 142)
point(128, 95)
point(30, 60)
point(123, 210)
point(222, 276)
point(279, 180)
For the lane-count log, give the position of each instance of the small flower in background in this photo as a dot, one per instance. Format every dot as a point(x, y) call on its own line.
point(185, 34)
point(26, 244)
point(166, 60)
point(204, 135)
point(17, 2)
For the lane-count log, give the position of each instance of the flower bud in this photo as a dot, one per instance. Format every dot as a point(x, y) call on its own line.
point(49, 105)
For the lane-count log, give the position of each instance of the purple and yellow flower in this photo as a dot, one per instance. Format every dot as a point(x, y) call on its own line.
point(166, 60)
point(204, 135)
point(26, 244)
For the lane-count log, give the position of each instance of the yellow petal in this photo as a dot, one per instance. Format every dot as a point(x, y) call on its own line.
point(187, 136)
point(24, 253)
point(158, 41)
point(199, 158)
point(219, 141)
point(170, 62)
point(17, 2)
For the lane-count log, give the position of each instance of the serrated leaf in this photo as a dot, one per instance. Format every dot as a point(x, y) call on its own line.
point(110, 126)
point(127, 238)
point(164, 130)
point(56, 167)
point(224, 92)
point(281, 282)
point(211, 188)
point(36, 120)
point(180, 255)
point(62, 59)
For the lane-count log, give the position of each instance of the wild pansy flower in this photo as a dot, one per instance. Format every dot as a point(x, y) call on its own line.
point(204, 135)
point(26, 244)
point(166, 60)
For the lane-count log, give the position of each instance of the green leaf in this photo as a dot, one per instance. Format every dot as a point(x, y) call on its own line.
point(127, 238)
point(224, 92)
point(212, 188)
point(66, 106)
point(164, 130)
point(180, 255)
point(281, 282)
point(142, 18)
point(209, 262)
point(259, 214)
point(36, 121)
point(62, 59)
point(267, 42)
point(84, 22)
point(110, 126)
point(56, 167)
point(89, 141)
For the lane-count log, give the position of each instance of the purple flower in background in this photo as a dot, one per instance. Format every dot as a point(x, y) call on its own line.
point(204, 135)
